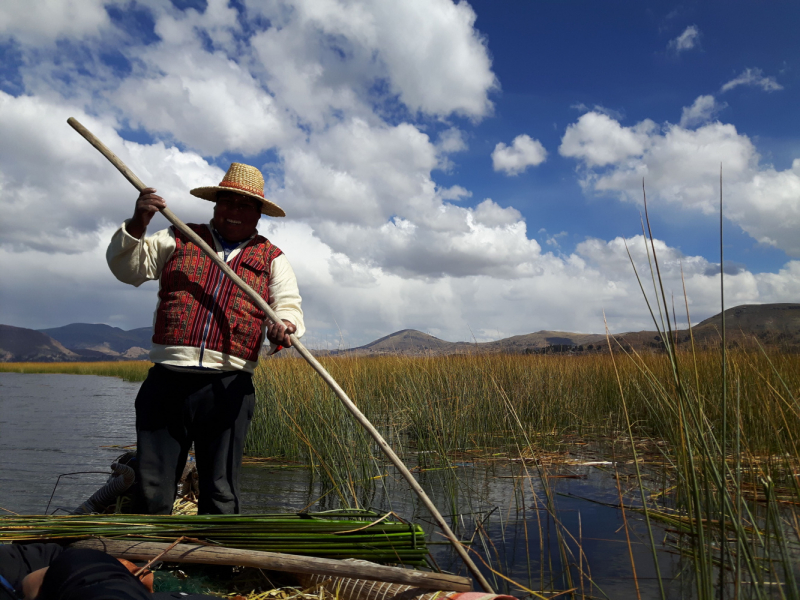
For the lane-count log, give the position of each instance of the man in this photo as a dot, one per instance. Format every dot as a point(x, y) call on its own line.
point(46, 571)
point(207, 336)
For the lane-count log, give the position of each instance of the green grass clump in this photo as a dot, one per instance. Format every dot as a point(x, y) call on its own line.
point(135, 370)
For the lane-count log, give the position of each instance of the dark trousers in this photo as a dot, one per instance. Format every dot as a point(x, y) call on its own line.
point(174, 409)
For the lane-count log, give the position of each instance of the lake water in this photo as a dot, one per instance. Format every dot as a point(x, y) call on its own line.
point(56, 424)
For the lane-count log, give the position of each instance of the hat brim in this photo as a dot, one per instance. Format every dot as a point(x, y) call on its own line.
point(210, 193)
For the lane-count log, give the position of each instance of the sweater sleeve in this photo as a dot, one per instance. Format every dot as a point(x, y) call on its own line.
point(135, 261)
point(284, 296)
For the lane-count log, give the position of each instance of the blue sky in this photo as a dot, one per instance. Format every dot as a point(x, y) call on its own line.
point(553, 57)
point(472, 170)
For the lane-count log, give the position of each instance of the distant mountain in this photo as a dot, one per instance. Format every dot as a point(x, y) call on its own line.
point(543, 339)
point(408, 341)
point(771, 324)
point(99, 341)
point(18, 344)
point(413, 342)
point(780, 318)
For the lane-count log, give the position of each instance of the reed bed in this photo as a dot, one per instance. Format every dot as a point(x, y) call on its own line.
point(434, 406)
point(721, 477)
point(135, 370)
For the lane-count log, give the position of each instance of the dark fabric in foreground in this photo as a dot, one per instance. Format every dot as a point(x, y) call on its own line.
point(84, 574)
point(17, 560)
point(75, 574)
point(174, 409)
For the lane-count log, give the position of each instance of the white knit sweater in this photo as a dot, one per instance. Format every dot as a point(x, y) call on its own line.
point(135, 261)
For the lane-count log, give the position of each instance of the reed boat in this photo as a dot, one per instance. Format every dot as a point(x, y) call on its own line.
point(224, 554)
point(343, 554)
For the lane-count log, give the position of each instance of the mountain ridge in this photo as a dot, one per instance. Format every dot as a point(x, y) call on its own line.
point(18, 344)
point(771, 324)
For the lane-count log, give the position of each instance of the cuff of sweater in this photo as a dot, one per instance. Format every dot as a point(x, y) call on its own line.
point(127, 239)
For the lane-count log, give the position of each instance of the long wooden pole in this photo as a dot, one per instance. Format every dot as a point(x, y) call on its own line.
point(274, 561)
point(315, 364)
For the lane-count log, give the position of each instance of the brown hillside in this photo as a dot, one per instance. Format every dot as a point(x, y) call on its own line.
point(407, 341)
point(18, 344)
point(771, 324)
point(781, 318)
point(543, 339)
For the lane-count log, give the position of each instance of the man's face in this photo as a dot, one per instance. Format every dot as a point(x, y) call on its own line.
point(236, 216)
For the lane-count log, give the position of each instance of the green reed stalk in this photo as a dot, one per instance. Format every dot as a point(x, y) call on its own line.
point(638, 474)
point(724, 454)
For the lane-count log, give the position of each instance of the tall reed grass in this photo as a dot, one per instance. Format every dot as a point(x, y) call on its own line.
point(431, 406)
point(434, 410)
point(135, 370)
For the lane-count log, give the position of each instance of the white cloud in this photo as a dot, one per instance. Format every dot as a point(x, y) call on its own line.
point(454, 193)
point(753, 78)
point(599, 140)
point(58, 192)
point(341, 49)
point(524, 152)
point(213, 87)
point(45, 21)
point(681, 166)
point(204, 101)
point(355, 109)
point(366, 191)
point(553, 239)
point(702, 110)
point(686, 40)
point(566, 293)
point(599, 108)
point(446, 68)
point(452, 140)
point(309, 86)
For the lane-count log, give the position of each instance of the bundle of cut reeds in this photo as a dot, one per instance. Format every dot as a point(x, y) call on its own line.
point(330, 535)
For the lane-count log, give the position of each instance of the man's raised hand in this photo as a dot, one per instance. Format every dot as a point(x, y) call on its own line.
point(147, 205)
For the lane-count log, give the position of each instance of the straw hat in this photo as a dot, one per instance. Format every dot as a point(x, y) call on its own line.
point(245, 180)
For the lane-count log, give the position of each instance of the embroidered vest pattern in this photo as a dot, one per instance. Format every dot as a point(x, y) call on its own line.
point(201, 307)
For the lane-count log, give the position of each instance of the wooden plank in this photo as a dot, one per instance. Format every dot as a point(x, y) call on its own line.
point(275, 561)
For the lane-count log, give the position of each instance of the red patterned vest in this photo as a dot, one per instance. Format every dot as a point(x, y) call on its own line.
point(201, 307)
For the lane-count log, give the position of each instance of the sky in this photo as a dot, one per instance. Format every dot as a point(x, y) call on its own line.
point(474, 170)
